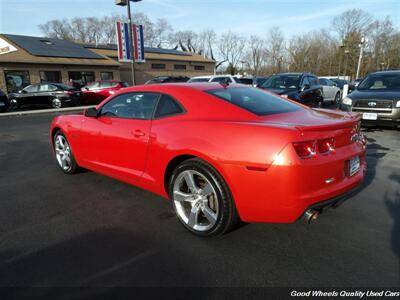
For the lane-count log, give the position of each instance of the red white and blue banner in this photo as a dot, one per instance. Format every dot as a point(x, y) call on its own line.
point(124, 42)
point(138, 42)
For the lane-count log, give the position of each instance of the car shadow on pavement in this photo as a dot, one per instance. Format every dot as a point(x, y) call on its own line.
point(91, 264)
point(392, 201)
point(375, 152)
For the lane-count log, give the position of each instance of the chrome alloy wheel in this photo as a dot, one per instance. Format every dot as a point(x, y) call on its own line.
point(56, 103)
point(13, 104)
point(63, 152)
point(195, 200)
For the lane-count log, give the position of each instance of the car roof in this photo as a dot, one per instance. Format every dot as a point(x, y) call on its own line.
point(200, 86)
point(386, 72)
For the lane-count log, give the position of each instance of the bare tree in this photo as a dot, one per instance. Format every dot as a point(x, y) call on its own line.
point(208, 39)
point(231, 47)
point(275, 47)
point(56, 29)
point(256, 53)
point(353, 20)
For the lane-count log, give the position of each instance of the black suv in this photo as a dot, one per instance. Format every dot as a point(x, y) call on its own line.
point(301, 87)
point(377, 98)
point(54, 94)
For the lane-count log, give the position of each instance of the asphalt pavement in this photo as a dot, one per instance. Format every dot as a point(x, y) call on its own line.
point(91, 230)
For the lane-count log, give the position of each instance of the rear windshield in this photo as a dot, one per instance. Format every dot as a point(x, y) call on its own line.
point(287, 81)
point(255, 100)
point(199, 80)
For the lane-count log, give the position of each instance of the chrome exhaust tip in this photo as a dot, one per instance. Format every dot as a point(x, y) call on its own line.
point(310, 215)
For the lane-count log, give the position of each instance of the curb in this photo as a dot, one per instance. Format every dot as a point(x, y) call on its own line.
point(45, 111)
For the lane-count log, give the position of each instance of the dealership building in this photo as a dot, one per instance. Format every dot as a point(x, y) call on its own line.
point(26, 60)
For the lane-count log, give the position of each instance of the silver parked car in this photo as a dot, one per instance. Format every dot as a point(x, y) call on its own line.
point(331, 92)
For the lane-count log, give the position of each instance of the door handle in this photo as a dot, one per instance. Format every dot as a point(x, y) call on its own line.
point(138, 133)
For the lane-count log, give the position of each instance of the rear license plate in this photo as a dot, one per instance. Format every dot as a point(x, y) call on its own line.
point(370, 116)
point(354, 165)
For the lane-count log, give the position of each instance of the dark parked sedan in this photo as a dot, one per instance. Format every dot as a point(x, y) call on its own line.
point(377, 98)
point(54, 94)
point(167, 79)
point(300, 87)
point(3, 102)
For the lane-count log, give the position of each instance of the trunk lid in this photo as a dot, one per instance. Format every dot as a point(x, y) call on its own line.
point(315, 124)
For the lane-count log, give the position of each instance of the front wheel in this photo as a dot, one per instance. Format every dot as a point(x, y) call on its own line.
point(337, 98)
point(64, 155)
point(14, 104)
point(201, 199)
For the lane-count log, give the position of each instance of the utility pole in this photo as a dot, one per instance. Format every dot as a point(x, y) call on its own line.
point(361, 45)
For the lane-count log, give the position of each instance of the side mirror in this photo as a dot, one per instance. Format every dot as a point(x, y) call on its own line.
point(86, 88)
point(305, 87)
point(91, 112)
point(334, 84)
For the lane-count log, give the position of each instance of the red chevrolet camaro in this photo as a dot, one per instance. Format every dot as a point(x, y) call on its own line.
point(221, 153)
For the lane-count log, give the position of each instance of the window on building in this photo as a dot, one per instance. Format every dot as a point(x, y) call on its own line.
point(180, 67)
point(50, 76)
point(106, 75)
point(16, 80)
point(81, 78)
point(158, 66)
point(199, 68)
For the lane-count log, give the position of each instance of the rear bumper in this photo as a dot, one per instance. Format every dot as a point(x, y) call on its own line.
point(333, 202)
point(283, 192)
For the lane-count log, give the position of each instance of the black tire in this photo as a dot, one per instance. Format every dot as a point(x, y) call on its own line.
point(337, 98)
point(73, 166)
point(228, 217)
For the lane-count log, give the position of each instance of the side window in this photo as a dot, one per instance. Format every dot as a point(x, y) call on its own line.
point(323, 81)
point(131, 106)
point(93, 85)
point(167, 107)
point(305, 81)
point(47, 88)
point(313, 80)
point(31, 89)
point(106, 84)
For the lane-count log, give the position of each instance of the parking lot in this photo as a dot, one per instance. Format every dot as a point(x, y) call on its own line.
point(90, 230)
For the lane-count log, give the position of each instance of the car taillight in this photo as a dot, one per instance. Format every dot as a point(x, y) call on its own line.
point(305, 149)
point(326, 145)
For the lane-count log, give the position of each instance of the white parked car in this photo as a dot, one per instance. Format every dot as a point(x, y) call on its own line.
point(331, 92)
point(215, 78)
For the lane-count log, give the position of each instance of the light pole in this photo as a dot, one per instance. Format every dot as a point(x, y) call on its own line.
point(128, 4)
point(346, 53)
point(361, 45)
point(341, 46)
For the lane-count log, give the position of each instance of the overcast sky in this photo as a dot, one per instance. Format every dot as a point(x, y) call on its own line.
point(242, 16)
